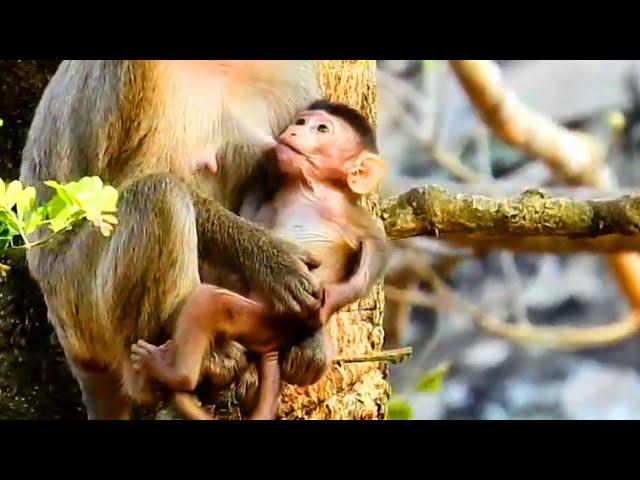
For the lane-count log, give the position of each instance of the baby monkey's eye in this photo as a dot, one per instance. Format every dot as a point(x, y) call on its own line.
point(300, 121)
point(322, 128)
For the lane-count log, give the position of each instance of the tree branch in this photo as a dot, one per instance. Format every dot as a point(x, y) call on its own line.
point(573, 156)
point(563, 338)
point(554, 337)
point(576, 157)
point(609, 225)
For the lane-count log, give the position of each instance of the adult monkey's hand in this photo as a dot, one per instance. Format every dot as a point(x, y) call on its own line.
point(281, 271)
point(277, 268)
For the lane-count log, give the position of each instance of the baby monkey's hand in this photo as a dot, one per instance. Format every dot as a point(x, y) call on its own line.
point(334, 297)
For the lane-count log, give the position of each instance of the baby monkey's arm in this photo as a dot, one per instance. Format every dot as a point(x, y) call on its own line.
point(371, 265)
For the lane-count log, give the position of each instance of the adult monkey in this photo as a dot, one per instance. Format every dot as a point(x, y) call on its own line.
point(145, 127)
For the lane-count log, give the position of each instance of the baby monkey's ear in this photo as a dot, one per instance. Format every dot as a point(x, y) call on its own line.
point(365, 172)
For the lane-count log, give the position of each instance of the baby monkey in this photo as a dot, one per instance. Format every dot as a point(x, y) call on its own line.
point(325, 160)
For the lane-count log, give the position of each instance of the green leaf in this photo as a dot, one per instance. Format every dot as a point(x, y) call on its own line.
point(61, 213)
point(53, 184)
point(109, 199)
point(62, 191)
point(84, 189)
point(105, 229)
point(11, 194)
point(35, 220)
point(94, 198)
point(110, 219)
point(25, 202)
point(432, 381)
point(56, 205)
point(90, 184)
point(63, 219)
point(88, 198)
point(399, 410)
point(9, 221)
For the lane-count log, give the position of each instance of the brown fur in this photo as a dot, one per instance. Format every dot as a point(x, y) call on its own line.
point(316, 206)
point(140, 126)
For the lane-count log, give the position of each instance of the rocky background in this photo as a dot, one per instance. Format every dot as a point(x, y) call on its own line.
point(421, 108)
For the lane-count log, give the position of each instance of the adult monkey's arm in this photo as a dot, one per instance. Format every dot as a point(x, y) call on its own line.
point(278, 268)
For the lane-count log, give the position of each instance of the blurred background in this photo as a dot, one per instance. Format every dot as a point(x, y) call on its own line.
point(430, 133)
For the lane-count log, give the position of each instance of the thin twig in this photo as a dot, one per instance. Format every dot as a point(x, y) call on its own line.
point(394, 356)
point(451, 162)
point(558, 338)
point(405, 89)
point(430, 105)
point(424, 135)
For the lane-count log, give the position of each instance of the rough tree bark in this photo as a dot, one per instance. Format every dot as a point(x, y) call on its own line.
point(532, 221)
point(34, 380)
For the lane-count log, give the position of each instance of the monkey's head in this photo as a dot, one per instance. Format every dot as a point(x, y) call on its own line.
point(331, 142)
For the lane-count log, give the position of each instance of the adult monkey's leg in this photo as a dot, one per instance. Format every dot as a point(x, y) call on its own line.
point(104, 294)
point(150, 267)
point(101, 393)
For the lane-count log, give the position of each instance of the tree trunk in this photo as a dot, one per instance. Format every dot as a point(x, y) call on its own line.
point(34, 380)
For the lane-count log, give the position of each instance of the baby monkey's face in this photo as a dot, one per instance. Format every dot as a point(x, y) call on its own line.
point(317, 145)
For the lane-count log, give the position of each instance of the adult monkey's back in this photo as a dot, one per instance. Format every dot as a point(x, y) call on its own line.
point(144, 126)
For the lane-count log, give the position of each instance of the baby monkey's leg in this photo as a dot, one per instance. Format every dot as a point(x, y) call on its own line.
point(269, 387)
point(208, 311)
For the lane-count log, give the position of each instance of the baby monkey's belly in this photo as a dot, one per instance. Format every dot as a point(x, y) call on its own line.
point(336, 256)
point(336, 261)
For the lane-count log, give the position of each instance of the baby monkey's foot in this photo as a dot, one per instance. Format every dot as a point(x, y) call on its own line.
point(152, 360)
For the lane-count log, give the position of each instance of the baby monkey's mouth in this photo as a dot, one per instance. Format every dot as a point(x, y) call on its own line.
point(285, 143)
